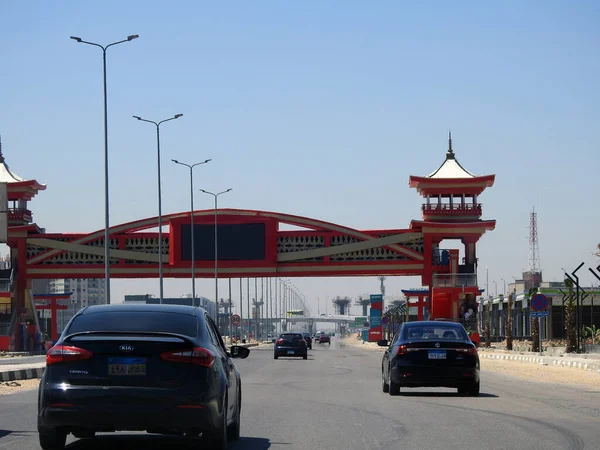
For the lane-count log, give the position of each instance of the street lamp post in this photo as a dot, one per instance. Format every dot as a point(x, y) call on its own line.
point(160, 239)
point(106, 190)
point(216, 196)
point(191, 167)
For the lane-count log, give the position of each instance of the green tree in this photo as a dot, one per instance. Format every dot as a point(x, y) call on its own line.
point(569, 309)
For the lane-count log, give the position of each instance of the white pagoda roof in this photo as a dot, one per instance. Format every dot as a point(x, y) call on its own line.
point(451, 168)
point(6, 176)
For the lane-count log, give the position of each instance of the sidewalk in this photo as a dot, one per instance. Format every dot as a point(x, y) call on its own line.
point(15, 372)
point(577, 361)
point(583, 361)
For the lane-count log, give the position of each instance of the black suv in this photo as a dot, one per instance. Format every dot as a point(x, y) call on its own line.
point(290, 344)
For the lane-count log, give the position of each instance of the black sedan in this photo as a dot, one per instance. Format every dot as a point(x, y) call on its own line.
point(430, 354)
point(308, 340)
point(156, 368)
point(290, 344)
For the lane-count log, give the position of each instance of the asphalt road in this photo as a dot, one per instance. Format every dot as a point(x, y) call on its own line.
point(334, 401)
point(22, 360)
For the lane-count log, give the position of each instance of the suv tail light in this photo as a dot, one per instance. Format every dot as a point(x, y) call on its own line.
point(65, 353)
point(279, 341)
point(199, 356)
point(401, 350)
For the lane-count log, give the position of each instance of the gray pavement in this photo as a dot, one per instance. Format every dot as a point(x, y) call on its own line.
point(334, 401)
point(22, 360)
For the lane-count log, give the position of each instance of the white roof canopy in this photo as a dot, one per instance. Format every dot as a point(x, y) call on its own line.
point(6, 176)
point(451, 168)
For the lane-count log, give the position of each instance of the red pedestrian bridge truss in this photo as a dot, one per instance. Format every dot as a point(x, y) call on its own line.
point(250, 244)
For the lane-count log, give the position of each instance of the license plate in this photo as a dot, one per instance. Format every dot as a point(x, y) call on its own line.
point(437, 354)
point(291, 352)
point(126, 366)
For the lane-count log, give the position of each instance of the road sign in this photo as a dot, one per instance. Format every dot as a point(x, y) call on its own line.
point(539, 302)
point(236, 320)
point(538, 314)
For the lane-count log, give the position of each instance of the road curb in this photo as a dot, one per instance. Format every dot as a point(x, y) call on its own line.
point(560, 362)
point(23, 374)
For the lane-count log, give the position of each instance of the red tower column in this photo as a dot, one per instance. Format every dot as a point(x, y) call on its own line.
point(53, 307)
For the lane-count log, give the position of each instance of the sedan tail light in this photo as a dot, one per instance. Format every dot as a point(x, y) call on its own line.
point(469, 351)
point(401, 350)
point(279, 341)
point(65, 353)
point(199, 356)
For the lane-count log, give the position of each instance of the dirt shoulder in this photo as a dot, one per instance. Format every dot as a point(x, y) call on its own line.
point(10, 387)
point(548, 374)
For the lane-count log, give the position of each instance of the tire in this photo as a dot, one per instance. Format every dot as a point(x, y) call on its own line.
point(473, 390)
point(233, 430)
point(384, 386)
point(304, 356)
point(52, 439)
point(393, 388)
point(217, 440)
point(275, 356)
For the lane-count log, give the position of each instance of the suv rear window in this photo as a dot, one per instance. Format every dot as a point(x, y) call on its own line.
point(131, 321)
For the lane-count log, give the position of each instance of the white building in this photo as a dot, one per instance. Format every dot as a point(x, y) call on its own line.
point(85, 292)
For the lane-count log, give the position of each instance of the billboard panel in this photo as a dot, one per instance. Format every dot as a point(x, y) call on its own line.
point(375, 328)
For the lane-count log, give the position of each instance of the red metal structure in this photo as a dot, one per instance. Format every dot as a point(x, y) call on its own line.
point(252, 243)
point(50, 303)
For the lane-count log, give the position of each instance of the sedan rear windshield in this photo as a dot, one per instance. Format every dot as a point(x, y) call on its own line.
point(291, 336)
point(444, 332)
point(134, 321)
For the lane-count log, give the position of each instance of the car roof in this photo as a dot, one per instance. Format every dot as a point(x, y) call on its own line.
point(120, 307)
point(432, 323)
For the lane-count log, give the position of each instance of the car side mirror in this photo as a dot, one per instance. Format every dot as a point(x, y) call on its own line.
point(238, 351)
point(383, 343)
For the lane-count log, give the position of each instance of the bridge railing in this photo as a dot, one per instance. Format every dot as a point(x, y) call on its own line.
point(454, 280)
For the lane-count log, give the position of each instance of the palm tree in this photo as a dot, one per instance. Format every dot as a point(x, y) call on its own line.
point(570, 318)
point(535, 327)
point(509, 336)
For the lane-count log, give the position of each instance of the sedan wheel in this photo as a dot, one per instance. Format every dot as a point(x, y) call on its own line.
point(52, 439)
point(385, 386)
point(233, 431)
point(394, 389)
point(217, 440)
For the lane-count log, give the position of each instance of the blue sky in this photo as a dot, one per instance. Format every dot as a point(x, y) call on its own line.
point(312, 108)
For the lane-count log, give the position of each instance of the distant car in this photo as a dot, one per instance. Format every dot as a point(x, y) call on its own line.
point(324, 339)
point(308, 340)
point(430, 354)
point(156, 368)
point(290, 345)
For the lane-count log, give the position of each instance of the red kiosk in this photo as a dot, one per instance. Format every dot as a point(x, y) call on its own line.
point(451, 211)
point(19, 220)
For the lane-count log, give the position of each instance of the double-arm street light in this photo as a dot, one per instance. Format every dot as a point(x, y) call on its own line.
point(106, 191)
point(216, 196)
point(193, 249)
point(160, 238)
